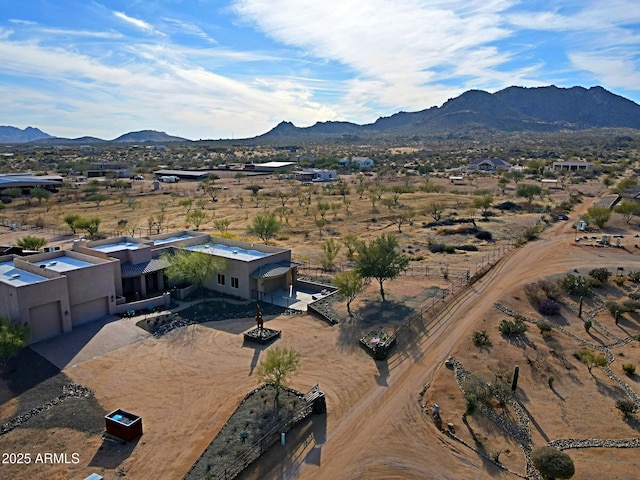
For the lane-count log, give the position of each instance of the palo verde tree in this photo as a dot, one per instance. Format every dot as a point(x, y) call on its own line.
point(529, 192)
point(30, 242)
point(191, 267)
point(12, 339)
point(379, 259)
point(627, 209)
point(598, 215)
point(264, 226)
point(70, 219)
point(279, 364)
point(350, 284)
point(330, 250)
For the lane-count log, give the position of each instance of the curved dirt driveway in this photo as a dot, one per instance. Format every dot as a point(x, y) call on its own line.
point(384, 434)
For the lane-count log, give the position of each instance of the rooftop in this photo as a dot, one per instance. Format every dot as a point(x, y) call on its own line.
point(16, 277)
point(162, 241)
point(235, 253)
point(63, 264)
point(117, 247)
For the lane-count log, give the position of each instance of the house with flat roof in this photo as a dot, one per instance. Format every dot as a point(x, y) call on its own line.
point(54, 292)
point(572, 166)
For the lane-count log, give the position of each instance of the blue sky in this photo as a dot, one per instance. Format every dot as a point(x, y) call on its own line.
point(234, 69)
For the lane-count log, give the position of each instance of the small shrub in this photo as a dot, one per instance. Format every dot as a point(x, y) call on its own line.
point(545, 327)
point(627, 407)
point(551, 380)
point(471, 405)
point(449, 249)
point(619, 281)
point(587, 325)
point(535, 294)
point(467, 248)
point(484, 235)
point(436, 247)
point(477, 386)
point(552, 463)
point(600, 275)
point(629, 368)
point(481, 338)
point(575, 285)
point(634, 276)
point(631, 305)
point(512, 328)
point(551, 289)
point(613, 307)
point(549, 307)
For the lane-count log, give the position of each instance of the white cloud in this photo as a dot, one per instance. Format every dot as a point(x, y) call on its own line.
point(136, 22)
point(180, 26)
point(613, 70)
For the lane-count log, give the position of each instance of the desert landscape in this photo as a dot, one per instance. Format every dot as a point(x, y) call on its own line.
point(378, 424)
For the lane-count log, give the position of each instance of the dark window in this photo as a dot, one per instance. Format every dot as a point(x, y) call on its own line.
point(220, 279)
point(234, 282)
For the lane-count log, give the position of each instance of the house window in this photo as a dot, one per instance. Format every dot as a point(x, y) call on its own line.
point(234, 282)
point(220, 279)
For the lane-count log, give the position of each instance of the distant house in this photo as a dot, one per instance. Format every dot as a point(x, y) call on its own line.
point(488, 165)
point(362, 162)
point(632, 194)
point(317, 175)
point(572, 166)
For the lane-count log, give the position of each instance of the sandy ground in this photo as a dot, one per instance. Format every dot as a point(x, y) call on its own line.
point(186, 384)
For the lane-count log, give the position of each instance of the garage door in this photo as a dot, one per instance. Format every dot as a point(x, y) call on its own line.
point(46, 321)
point(89, 311)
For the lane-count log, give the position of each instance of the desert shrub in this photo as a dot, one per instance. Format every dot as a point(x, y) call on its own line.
point(551, 289)
point(545, 327)
point(471, 404)
point(600, 275)
point(436, 247)
point(614, 306)
point(634, 276)
point(512, 328)
point(619, 281)
point(481, 338)
point(484, 235)
point(587, 325)
point(549, 307)
point(627, 407)
point(631, 305)
point(629, 368)
point(449, 249)
point(575, 285)
point(502, 392)
point(467, 248)
point(552, 463)
point(478, 387)
point(534, 294)
point(635, 295)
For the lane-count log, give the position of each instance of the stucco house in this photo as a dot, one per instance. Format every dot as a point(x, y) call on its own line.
point(488, 165)
point(572, 166)
point(54, 292)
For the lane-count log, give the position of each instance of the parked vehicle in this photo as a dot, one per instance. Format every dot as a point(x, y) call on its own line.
point(169, 179)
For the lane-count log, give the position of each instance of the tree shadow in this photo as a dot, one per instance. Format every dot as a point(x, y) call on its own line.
point(349, 334)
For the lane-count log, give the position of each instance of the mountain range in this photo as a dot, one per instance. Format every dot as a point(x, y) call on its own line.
point(514, 109)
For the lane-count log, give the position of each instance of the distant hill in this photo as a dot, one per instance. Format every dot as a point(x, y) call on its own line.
point(541, 109)
point(147, 136)
point(16, 135)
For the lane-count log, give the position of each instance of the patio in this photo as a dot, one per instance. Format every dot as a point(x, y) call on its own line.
point(296, 298)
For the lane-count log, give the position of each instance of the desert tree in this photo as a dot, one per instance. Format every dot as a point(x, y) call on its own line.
point(379, 259)
point(195, 218)
point(351, 242)
point(191, 267)
point(187, 204)
point(435, 209)
point(279, 365)
point(265, 226)
point(350, 284)
point(529, 192)
point(591, 359)
point(40, 194)
point(12, 339)
point(31, 242)
point(598, 215)
point(330, 250)
point(97, 198)
point(627, 209)
point(89, 225)
point(221, 225)
point(403, 217)
point(484, 203)
point(70, 219)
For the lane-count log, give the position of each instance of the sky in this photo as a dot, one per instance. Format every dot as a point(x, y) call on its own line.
point(210, 69)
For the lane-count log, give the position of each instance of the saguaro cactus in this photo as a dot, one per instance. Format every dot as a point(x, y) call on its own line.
point(580, 310)
point(514, 384)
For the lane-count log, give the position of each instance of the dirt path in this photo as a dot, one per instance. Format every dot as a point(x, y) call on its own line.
point(384, 434)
